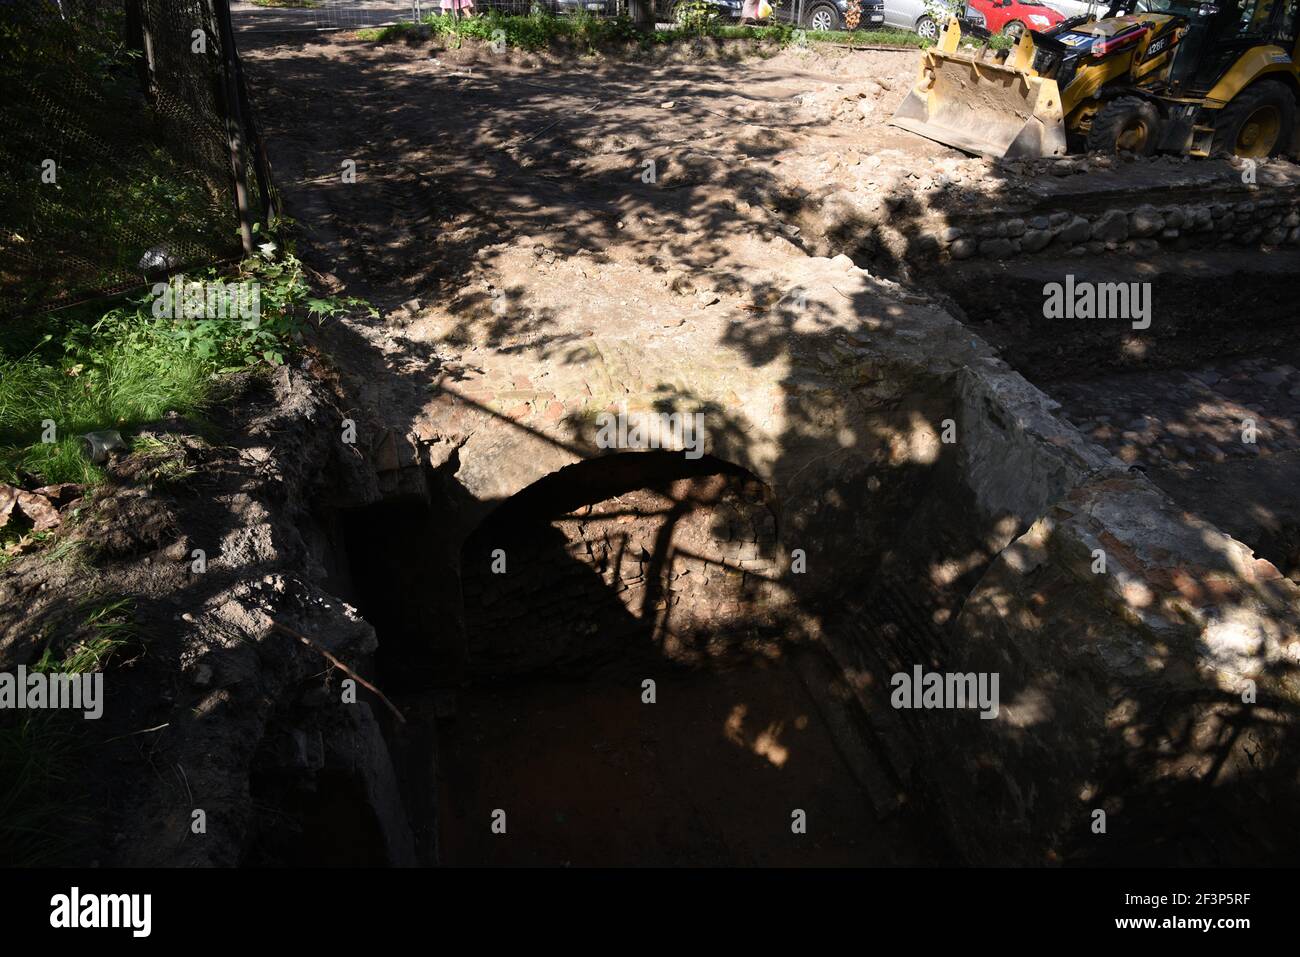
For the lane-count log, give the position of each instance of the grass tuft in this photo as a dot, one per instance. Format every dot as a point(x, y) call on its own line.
point(38, 799)
point(121, 371)
point(35, 754)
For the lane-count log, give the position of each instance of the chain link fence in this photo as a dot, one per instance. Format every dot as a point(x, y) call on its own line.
point(295, 15)
point(292, 15)
point(127, 145)
point(830, 14)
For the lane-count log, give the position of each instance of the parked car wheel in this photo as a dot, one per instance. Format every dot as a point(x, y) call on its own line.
point(1014, 29)
point(927, 29)
point(824, 16)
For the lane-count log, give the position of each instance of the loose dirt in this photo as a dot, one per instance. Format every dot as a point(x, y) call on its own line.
point(456, 150)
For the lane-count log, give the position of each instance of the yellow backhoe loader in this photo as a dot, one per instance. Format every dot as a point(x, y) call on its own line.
point(1152, 75)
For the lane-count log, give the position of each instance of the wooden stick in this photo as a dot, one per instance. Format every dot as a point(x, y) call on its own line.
point(342, 667)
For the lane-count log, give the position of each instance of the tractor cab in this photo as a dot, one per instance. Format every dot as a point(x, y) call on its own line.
point(1232, 29)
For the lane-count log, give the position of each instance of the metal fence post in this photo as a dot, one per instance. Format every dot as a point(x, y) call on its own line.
point(140, 39)
point(234, 120)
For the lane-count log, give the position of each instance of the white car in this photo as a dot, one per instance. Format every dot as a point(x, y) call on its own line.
point(920, 15)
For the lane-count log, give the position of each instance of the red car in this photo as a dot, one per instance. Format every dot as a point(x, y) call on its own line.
point(1013, 16)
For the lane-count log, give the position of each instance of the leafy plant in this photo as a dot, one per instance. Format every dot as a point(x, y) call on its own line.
point(699, 17)
point(129, 366)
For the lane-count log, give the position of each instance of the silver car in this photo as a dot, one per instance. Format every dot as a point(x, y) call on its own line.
point(925, 16)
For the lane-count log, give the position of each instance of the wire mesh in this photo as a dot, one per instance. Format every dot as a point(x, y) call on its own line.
point(295, 15)
point(290, 15)
point(114, 136)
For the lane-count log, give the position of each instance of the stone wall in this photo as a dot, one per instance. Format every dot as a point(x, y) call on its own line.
point(1072, 206)
point(1121, 688)
point(1271, 220)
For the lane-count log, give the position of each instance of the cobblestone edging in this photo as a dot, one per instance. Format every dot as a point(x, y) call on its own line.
point(1145, 228)
point(999, 214)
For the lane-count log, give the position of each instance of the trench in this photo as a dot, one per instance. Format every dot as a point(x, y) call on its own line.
point(616, 665)
point(633, 683)
point(1171, 400)
point(525, 688)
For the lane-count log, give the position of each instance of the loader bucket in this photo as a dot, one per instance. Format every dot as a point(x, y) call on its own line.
point(979, 105)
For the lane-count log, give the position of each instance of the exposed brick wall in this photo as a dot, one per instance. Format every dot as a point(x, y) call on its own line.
point(684, 566)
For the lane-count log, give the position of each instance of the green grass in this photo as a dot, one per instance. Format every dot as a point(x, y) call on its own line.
point(38, 798)
point(36, 752)
point(124, 368)
point(536, 31)
point(109, 622)
point(533, 31)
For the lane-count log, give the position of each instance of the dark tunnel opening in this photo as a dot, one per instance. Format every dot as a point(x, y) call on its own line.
point(628, 648)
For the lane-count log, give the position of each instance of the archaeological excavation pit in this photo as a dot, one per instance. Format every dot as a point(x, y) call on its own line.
point(474, 632)
point(628, 657)
point(632, 693)
point(638, 682)
point(523, 595)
